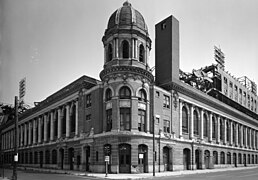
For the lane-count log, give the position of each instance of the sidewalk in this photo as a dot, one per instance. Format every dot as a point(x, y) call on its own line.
point(134, 176)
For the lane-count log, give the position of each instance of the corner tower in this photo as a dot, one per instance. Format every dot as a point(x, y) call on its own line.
point(126, 74)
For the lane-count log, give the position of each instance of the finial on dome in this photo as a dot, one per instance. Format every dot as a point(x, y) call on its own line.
point(126, 3)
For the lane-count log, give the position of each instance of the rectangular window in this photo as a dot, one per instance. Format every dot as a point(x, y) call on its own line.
point(125, 119)
point(88, 100)
point(166, 101)
point(88, 117)
point(157, 120)
point(141, 120)
point(97, 156)
point(109, 119)
point(166, 126)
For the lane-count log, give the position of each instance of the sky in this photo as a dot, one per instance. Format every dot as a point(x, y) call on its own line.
point(54, 42)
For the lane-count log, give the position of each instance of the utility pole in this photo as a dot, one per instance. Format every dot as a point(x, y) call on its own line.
point(15, 139)
point(153, 125)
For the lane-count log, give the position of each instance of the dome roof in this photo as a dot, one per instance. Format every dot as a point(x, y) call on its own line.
point(127, 16)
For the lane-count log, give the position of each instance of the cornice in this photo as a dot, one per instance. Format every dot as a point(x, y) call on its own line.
point(125, 72)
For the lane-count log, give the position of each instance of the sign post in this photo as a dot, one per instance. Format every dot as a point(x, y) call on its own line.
point(106, 162)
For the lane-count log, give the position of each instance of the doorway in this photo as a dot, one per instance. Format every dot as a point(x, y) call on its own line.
point(143, 158)
point(187, 159)
point(124, 158)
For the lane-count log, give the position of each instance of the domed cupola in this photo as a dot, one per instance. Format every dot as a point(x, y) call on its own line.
point(127, 16)
point(126, 41)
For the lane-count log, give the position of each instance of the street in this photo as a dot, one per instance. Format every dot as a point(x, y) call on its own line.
point(241, 174)
point(23, 175)
point(244, 174)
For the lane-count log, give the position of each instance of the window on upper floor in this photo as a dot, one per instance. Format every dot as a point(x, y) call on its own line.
point(196, 122)
point(125, 119)
point(141, 53)
point(166, 101)
point(141, 120)
point(88, 100)
point(205, 125)
point(125, 49)
point(110, 53)
point(184, 120)
point(125, 93)
point(108, 94)
point(166, 126)
point(142, 96)
point(109, 119)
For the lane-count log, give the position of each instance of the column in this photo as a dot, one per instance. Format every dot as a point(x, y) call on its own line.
point(218, 129)
point(113, 49)
point(68, 120)
point(25, 134)
point(45, 127)
point(250, 138)
point(225, 131)
point(242, 136)
point(210, 127)
point(29, 141)
point(231, 133)
point(191, 122)
point(246, 137)
point(253, 142)
point(34, 131)
point(117, 48)
point(39, 129)
point(136, 48)
point(22, 140)
point(201, 119)
point(59, 122)
point(236, 128)
point(51, 126)
point(180, 119)
point(133, 48)
point(76, 118)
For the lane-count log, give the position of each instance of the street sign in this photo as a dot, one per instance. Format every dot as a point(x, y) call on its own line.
point(22, 88)
point(16, 158)
point(106, 158)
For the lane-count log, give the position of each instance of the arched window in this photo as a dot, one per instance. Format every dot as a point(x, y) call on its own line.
point(125, 93)
point(196, 122)
point(228, 158)
point(142, 95)
point(141, 53)
point(215, 157)
point(54, 156)
point(47, 157)
point(184, 120)
point(222, 158)
point(108, 94)
point(205, 125)
point(125, 48)
point(110, 53)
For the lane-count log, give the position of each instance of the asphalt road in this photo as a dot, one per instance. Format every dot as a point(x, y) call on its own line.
point(22, 175)
point(246, 174)
point(242, 174)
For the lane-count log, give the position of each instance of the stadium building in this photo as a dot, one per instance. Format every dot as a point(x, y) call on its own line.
point(201, 120)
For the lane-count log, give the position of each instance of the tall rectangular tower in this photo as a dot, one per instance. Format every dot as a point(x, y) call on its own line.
point(167, 51)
